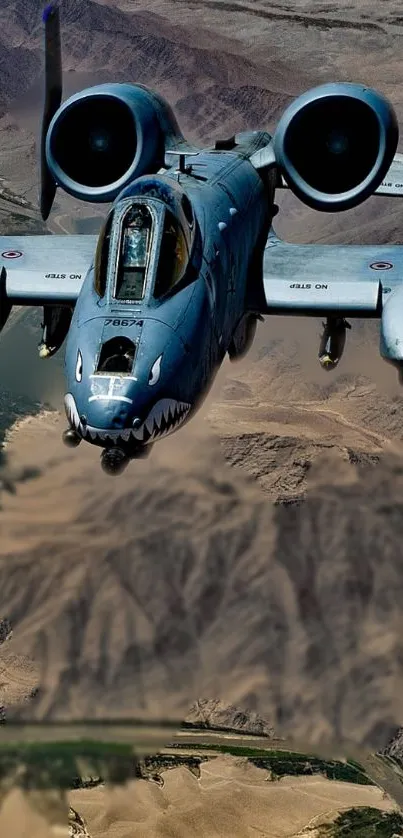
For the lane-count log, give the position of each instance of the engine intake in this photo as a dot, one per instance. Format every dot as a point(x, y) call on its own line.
point(103, 137)
point(335, 143)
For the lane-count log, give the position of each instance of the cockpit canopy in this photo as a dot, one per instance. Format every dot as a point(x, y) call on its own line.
point(173, 257)
point(134, 254)
point(144, 248)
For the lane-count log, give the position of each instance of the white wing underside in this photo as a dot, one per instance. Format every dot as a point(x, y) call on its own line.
point(320, 279)
point(45, 269)
point(299, 279)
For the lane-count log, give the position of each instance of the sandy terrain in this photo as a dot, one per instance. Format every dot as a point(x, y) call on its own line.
point(232, 799)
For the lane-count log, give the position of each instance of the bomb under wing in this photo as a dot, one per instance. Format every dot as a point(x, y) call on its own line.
point(332, 342)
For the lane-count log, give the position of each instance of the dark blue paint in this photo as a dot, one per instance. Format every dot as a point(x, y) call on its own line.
point(191, 328)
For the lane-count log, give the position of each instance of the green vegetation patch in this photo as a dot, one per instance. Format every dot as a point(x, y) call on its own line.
point(64, 765)
point(312, 765)
point(237, 750)
point(151, 767)
point(281, 763)
point(364, 822)
point(72, 764)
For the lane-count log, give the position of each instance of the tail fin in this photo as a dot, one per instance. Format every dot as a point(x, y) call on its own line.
point(53, 98)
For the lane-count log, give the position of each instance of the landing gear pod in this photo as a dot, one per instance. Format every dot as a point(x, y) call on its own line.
point(335, 144)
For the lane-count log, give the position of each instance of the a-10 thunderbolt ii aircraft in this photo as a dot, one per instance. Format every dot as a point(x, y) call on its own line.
point(187, 260)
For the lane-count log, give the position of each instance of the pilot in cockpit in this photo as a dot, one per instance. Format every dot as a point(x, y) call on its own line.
point(136, 236)
point(135, 241)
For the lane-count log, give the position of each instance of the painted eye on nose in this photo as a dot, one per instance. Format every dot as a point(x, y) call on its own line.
point(79, 366)
point(155, 372)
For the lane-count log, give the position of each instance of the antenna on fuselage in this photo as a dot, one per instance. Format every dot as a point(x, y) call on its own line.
point(182, 154)
point(53, 98)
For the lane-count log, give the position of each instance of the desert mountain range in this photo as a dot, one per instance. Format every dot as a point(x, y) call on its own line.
point(272, 416)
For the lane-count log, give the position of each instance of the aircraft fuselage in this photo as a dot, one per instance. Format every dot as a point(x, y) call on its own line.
point(171, 339)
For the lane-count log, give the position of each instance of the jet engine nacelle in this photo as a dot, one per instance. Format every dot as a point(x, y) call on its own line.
point(102, 138)
point(334, 145)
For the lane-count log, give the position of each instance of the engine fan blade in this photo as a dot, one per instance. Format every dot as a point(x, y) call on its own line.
point(53, 98)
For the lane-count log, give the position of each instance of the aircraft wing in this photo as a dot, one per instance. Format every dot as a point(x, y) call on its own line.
point(44, 270)
point(311, 279)
point(392, 183)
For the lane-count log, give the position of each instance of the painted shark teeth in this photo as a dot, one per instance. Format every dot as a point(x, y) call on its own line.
point(167, 415)
point(164, 418)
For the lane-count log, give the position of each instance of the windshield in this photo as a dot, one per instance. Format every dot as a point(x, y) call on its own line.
point(173, 258)
point(134, 255)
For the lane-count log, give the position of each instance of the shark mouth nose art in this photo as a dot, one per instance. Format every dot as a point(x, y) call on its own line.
point(164, 418)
